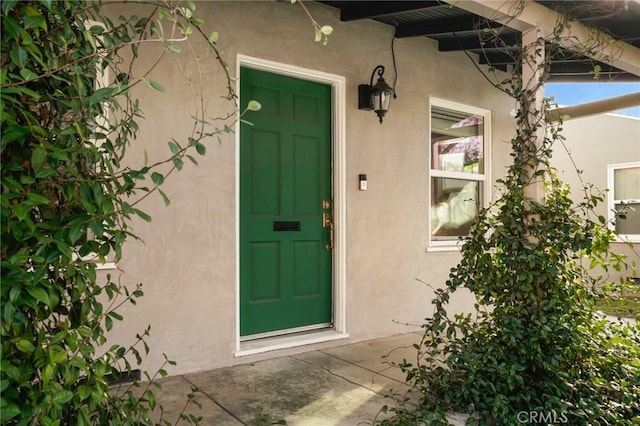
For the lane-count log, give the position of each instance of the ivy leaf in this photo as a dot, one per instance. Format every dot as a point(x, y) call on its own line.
point(142, 215)
point(27, 74)
point(185, 29)
point(25, 346)
point(35, 199)
point(34, 22)
point(96, 29)
point(57, 357)
point(254, 106)
point(64, 249)
point(326, 29)
point(193, 160)
point(172, 48)
point(83, 392)
point(10, 410)
point(19, 56)
point(157, 178)
point(21, 210)
point(101, 95)
point(178, 163)
point(62, 397)
point(141, 22)
point(154, 84)
point(166, 199)
point(37, 158)
point(75, 233)
point(174, 147)
point(40, 294)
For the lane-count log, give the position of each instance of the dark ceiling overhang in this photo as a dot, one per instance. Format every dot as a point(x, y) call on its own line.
point(496, 45)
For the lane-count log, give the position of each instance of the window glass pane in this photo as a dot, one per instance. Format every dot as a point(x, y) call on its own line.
point(631, 222)
point(457, 143)
point(626, 183)
point(454, 207)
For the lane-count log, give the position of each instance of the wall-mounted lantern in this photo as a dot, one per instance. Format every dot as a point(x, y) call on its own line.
point(375, 97)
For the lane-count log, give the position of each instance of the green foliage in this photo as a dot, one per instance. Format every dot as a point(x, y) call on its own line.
point(261, 418)
point(534, 343)
point(619, 305)
point(321, 32)
point(67, 203)
point(534, 347)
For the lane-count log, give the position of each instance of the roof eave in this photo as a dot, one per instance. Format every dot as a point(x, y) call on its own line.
point(623, 56)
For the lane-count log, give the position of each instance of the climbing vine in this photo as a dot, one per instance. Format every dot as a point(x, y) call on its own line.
point(68, 198)
point(533, 350)
point(70, 193)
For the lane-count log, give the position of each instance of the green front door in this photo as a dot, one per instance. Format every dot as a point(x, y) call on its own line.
point(285, 176)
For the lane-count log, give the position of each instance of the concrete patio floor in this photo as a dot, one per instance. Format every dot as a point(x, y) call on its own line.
point(343, 385)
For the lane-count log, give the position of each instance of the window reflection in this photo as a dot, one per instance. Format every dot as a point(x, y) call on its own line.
point(457, 169)
point(456, 141)
point(454, 207)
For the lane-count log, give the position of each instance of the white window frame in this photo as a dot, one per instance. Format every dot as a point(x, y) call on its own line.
point(612, 200)
point(102, 80)
point(483, 178)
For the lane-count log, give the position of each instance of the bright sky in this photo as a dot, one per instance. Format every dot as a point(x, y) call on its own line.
point(568, 94)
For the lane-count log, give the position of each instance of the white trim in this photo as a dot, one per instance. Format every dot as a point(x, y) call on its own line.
point(611, 201)
point(485, 177)
point(304, 329)
point(102, 80)
point(338, 107)
point(288, 341)
point(94, 258)
point(617, 53)
point(107, 266)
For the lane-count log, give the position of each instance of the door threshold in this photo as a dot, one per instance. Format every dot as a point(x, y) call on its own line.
point(267, 344)
point(297, 330)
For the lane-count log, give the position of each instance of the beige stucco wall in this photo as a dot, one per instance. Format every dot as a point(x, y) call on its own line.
point(593, 143)
point(188, 259)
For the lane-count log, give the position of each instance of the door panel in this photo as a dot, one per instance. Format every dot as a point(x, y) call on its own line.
point(263, 166)
point(306, 175)
point(265, 272)
point(285, 174)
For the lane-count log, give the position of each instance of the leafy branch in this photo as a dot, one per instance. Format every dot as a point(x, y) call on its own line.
point(534, 342)
point(322, 32)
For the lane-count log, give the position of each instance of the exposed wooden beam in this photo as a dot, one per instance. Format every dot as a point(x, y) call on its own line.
point(580, 67)
point(369, 10)
point(476, 42)
point(496, 58)
point(593, 108)
point(617, 77)
point(444, 26)
point(621, 55)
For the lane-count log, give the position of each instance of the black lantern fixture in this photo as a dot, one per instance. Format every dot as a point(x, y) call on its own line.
point(375, 97)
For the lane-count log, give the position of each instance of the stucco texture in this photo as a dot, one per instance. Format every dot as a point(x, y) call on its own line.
point(187, 256)
point(591, 144)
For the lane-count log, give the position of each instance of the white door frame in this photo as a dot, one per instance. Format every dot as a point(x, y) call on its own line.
point(338, 110)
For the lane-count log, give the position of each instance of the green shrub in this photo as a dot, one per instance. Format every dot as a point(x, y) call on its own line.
point(67, 201)
point(534, 350)
point(534, 343)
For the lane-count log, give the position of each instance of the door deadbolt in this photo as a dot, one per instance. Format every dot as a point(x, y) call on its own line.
point(326, 220)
